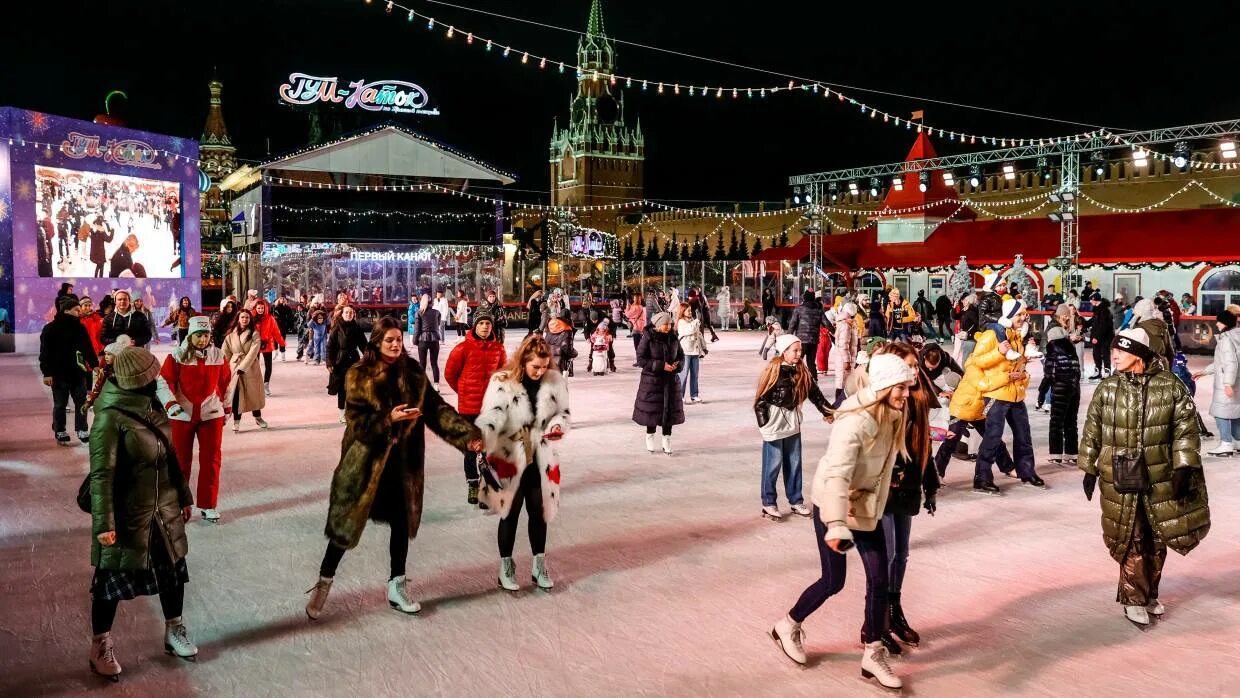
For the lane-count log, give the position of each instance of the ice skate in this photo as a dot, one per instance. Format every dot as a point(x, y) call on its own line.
point(1034, 481)
point(472, 495)
point(1225, 449)
point(262, 424)
point(667, 445)
point(789, 637)
point(899, 624)
point(177, 642)
point(889, 643)
point(342, 420)
point(267, 389)
point(62, 438)
point(103, 657)
point(1138, 615)
point(650, 442)
point(801, 510)
point(398, 596)
point(1155, 608)
point(696, 400)
point(539, 574)
point(986, 488)
point(236, 427)
point(508, 574)
point(874, 666)
point(84, 436)
point(1012, 355)
point(772, 513)
point(318, 597)
point(210, 515)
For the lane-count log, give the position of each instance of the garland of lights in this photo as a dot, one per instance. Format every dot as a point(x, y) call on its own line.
point(1158, 204)
point(322, 214)
point(663, 87)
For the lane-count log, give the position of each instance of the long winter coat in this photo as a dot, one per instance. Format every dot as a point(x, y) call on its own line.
point(241, 351)
point(65, 350)
point(133, 483)
point(844, 349)
point(469, 368)
point(1170, 440)
point(806, 321)
point(507, 421)
point(344, 346)
point(1160, 340)
point(658, 392)
point(1226, 371)
point(1061, 364)
point(382, 464)
point(1102, 325)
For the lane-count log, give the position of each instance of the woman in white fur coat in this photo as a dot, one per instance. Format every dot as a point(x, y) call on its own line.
point(524, 411)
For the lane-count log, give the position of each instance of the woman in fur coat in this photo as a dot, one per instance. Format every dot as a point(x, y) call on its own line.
point(381, 473)
point(245, 388)
point(658, 403)
point(524, 412)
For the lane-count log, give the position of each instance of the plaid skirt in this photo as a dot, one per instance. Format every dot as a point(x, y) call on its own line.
point(125, 585)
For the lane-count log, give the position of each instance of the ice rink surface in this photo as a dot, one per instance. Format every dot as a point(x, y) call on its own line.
point(667, 579)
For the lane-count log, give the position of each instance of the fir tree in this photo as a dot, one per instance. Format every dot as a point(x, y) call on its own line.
point(961, 283)
point(720, 253)
point(685, 253)
point(652, 252)
point(783, 237)
point(697, 255)
point(640, 252)
point(1018, 276)
point(627, 254)
point(744, 248)
point(757, 247)
point(733, 251)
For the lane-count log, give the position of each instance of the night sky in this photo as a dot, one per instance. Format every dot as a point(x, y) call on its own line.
point(1129, 67)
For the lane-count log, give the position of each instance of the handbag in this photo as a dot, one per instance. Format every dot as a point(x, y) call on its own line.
point(174, 466)
point(1129, 473)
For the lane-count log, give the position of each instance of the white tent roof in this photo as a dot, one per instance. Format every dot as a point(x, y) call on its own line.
point(390, 150)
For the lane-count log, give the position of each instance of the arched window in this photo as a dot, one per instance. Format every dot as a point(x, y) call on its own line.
point(1217, 291)
point(568, 166)
point(832, 285)
point(870, 284)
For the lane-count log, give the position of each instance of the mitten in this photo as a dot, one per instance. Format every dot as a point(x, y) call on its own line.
point(1089, 483)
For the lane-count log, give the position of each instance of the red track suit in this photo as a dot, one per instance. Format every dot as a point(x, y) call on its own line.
point(199, 387)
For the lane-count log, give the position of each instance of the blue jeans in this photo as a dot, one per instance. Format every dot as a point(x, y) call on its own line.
point(1016, 415)
point(689, 376)
point(1228, 429)
point(872, 547)
point(782, 455)
point(318, 345)
point(896, 531)
point(966, 349)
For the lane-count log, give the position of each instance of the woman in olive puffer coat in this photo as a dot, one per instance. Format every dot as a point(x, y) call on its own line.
point(1145, 409)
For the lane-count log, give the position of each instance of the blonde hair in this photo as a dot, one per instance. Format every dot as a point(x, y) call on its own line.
point(534, 347)
point(801, 382)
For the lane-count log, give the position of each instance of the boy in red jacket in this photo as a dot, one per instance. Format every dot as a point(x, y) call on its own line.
point(198, 376)
point(468, 372)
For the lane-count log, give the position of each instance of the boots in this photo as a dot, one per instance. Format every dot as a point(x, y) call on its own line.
point(874, 666)
point(508, 574)
point(540, 575)
point(342, 420)
point(398, 596)
point(1224, 450)
point(267, 389)
point(667, 445)
point(889, 643)
point(103, 657)
point(650, 442)
point(472, 497)
point(177, 642)
point(318, 597)
point(899, 624)
point(789, 637)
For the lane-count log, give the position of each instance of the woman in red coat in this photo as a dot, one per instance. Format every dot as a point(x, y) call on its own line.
point(269, 332)
point(468, 372)
point(198, 376)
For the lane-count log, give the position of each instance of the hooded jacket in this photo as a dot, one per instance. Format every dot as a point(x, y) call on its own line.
point(986, 376)
point(853, 479)
point(806, 321)
point(1226, 371)
point(469, 368)
point(65, 350)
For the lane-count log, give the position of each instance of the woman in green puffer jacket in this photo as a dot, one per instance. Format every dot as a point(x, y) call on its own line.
point(1145, 409)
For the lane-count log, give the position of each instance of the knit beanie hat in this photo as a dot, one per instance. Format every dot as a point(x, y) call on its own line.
point(783, 341)
point(886, 370)
point(480, 315)
point(135, 367)
point(1011, 308)
point(1135, 341)
point(119, 343)
point(198, 323)
point(1226, 319)
point(873, 343)
point(990, 281)
point(659, 319)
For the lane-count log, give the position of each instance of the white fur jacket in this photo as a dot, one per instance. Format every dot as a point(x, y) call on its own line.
point(505, 420)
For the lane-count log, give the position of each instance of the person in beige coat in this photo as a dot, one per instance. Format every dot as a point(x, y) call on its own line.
point(245, 390)
point(850, 493)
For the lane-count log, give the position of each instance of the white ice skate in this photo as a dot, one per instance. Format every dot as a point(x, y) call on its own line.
point(508, 574)
point(342, 420)
point(874, 666)
point(177, 642)
point(1138, 615)
point(210, 515)
point(800, 510)
point(772, 513)
point(1225, 449)
point(398, 596)
point(789, 637)
point(1155, 608)
point(667, 445)
point(539, 574)
point(103, 657)
point(650, 442)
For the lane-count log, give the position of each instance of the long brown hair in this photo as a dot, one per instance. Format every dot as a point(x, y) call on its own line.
point(801, 379)
point(920, 403)
point(534, 347)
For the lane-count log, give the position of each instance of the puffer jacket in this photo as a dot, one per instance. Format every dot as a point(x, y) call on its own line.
point(1157, 405)
point(1160, 340)
point(783, 395)
point(134, 483)
point(268, 331)
point(1061, 364)
point(989, 308)
point(469, 368)
point(806, 321)
point(986, 376)
point(1226, 371)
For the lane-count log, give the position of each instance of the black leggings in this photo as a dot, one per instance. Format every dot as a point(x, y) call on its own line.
point(433, 348)
point(1102, 357)
point(398, 551)
point(102, 613)
point(236, 406)
point(529, 490)
point(267, 367)
point(667, 430)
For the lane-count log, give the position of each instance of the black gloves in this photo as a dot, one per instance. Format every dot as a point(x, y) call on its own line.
point(1182, 483)
point(932, 504)
point(1089, 483)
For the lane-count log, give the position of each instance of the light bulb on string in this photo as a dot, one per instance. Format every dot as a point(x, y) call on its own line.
point(507, 50)
point(410, 15)
point(430, 23)
point(542, 63)
point(451, 31)
point(388, 9)
point(525, 58)
point(469, 38)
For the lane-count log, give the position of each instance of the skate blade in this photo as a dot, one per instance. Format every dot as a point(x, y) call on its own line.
point(867, 675)
point(115, 678)
point(168, 651)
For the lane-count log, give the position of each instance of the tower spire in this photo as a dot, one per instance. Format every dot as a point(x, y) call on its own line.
point(595, 25)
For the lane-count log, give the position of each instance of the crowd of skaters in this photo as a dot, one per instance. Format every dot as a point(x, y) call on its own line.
point(888, 379)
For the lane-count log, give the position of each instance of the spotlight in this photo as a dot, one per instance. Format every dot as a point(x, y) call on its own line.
point(834, 189)
point(975, 176)
point(1099, 162)
point(852, 188)
point(923, 180)
point(1062, 216)
point(796, 195)
point(1140, 157)
point(1181, 155)
point(1063, 197)
point(1227, 149)
point(1044, 169)
point(874, 186)
point(897, 184)
point(809, 199)
point(948, 178)
point(1009, 172)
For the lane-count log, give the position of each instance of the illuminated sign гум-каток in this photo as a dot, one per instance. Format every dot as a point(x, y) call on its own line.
point(395, 96)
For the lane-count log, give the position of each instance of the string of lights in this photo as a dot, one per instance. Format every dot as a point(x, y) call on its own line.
point(1158, 204)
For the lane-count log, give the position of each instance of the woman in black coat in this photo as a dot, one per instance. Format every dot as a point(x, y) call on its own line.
point(345, 346)
point(1101, 332)
point(658, 401)
point(1063, 370)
